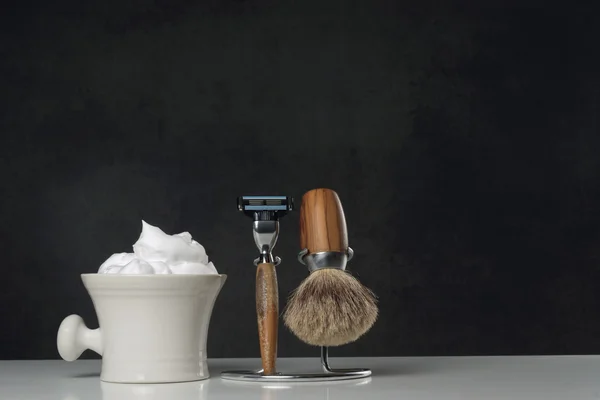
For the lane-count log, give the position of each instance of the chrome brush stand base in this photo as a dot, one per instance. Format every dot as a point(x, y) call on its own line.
point(328, 374)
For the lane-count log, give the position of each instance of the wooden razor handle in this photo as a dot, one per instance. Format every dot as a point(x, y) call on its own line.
point(267, 311)
point(322, 222)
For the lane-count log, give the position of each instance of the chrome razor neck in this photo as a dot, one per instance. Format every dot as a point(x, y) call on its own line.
point(265, 235)
point(325, 259)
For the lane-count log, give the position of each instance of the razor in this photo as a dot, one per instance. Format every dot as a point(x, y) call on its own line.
point(265, 212)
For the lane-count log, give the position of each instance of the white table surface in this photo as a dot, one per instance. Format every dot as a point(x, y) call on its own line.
point(427, 378)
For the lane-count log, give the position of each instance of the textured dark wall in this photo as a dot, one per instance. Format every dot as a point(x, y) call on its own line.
point(462, 139)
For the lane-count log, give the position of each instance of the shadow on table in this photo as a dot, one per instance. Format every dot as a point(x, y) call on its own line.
point(86, 375)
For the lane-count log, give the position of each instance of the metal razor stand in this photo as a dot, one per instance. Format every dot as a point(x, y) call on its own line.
point(328, 374)
point(335, 260)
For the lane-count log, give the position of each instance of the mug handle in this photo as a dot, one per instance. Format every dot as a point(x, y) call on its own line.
point(74, 338)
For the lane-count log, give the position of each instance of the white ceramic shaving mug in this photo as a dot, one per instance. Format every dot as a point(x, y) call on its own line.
point(153, 328)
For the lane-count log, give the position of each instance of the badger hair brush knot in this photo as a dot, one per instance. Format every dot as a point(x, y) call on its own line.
point(330, 307)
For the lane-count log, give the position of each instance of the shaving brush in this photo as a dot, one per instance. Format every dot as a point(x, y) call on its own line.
point(330, 307)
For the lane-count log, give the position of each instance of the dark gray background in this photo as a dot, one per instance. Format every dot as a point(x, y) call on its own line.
point(462, 139)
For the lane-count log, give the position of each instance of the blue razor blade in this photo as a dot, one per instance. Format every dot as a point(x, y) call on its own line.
point(261, 208)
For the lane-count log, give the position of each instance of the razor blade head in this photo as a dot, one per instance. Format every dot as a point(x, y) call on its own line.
point(265, 208)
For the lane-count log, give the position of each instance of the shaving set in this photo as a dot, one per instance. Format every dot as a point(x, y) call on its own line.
point(329, 308)
point(154, 304)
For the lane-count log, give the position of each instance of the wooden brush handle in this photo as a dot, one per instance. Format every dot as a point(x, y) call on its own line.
point(322, 222)
point(267, 311)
